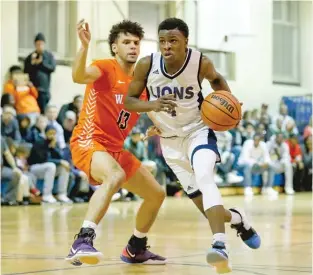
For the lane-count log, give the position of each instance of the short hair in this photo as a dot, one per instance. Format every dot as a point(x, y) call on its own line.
point(15, 68)
point(174, 23)
point(126, 26)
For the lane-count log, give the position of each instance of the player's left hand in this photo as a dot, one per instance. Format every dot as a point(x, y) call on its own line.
point(152, 131)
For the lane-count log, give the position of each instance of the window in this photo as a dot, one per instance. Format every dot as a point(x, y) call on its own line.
point(224, 62)
point(286, 60)
point(149, 14)
point(49, 17)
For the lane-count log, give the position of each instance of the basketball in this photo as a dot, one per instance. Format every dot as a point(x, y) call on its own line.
point(221, 111)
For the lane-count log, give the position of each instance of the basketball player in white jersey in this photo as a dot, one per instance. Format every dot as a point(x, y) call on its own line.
point(188, 145)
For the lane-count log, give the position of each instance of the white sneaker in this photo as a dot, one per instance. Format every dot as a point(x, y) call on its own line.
point(232, 178)
point(289, 191)
point(249, 192)
point(64, 199)
point(269, 191)
point(218, 179)
point(49, 199)
point(116, 196)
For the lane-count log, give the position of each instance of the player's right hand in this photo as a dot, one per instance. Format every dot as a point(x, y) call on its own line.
point(166, 104)
point(83, 32)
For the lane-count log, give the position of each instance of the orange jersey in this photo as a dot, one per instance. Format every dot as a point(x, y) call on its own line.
point(103, 117)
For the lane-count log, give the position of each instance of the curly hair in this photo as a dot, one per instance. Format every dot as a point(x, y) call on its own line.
point(126, 26)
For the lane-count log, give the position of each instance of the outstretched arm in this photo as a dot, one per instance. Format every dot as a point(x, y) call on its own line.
point(136, 88)
point(208, 72)
point(80, 73)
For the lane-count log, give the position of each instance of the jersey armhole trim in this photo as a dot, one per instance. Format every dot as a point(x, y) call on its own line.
point(147, 75)
point(199, 69)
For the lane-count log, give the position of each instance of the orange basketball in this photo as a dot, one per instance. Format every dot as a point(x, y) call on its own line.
point(221, 111)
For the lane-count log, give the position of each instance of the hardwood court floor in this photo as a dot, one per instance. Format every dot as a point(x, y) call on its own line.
point(35, 239)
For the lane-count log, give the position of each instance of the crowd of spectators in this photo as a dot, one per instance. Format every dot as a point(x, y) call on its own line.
point(35, 138)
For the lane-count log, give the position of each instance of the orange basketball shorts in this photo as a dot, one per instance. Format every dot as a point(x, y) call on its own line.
point(82, 159)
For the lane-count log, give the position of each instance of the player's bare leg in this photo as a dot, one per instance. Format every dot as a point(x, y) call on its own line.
point(144, 185)
point(104, 169)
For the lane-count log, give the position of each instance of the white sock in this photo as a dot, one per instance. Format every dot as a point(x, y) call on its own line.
point(139, 234)
point(88, 224)
point(235, 218)
point(219, 237)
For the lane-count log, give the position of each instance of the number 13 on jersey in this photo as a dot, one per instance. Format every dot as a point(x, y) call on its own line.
point(123, 119)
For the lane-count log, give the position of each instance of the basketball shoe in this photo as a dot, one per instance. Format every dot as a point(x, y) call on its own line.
point(136, 252)
point(217, 257)
point(82, 250)
point(246, 232)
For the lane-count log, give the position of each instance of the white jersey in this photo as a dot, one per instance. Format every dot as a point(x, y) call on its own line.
point(186, 87)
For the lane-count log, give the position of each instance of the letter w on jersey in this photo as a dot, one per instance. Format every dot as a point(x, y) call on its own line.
point(119, 99)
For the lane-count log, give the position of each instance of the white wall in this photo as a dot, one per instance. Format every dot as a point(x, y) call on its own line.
point(253, 83)
point(9, 35)
point(216, 18)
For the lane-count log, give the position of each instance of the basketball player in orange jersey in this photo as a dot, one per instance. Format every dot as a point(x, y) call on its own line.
point(188, 145)
point(97, 144)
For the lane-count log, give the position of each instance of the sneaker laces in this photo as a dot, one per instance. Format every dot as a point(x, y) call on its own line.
point(87, 234)
point(239, 227)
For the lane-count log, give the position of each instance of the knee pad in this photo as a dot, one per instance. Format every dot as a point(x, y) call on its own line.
point(204, 163)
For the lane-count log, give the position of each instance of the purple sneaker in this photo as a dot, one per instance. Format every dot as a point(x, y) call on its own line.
point(136, 252)
point(82, 250)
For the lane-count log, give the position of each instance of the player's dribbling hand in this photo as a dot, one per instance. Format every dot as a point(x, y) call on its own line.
point(83, 33)
point(151, 131)
point(165, 103)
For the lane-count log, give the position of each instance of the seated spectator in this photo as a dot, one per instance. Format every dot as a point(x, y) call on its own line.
point(9, 124)
point(246, 118)
point(308, 130)
point(276, 127)
point(81, 186)
point(74, 106)
point(237, 135)
point(24, 127)
point(307, 160)
point(137, 147)
point(249, 132)
point(21, 155)
point(255, 159)
point(262, 131)
point(290, 129)
point(285, 118)
point(7, 100)
point(68, 125)
point(224, 169)
point(52, 113)
point(18, 189)
point(297, 162)
point(264, 115)
point(37, 132)
point(24, 92)
point(255, 117)
point(46, 161)
point(280, 157)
